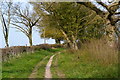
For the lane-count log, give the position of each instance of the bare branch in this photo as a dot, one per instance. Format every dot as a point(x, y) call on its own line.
point(117, 13)
point(22, 31)
point(21, 22)
point(20, 28)
point(93, 7)
point(118, 19)
point(114, 7)
point(102, 4)
point(5, 26)
point(34, 23)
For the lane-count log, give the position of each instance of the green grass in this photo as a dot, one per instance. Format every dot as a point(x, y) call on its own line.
point(76, 66)
point(22, 67)
point(64, 65)
point(55, 50)
point(41, 70)
point(54, 67)
point(0, 68)
point(55, 70)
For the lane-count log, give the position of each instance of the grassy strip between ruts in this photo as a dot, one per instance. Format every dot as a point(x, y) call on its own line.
point(41, 70)
point(75, 66)
point(22, 67)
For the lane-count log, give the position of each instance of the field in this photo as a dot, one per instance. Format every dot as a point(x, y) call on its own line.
point(66, 64)
point(21, 67)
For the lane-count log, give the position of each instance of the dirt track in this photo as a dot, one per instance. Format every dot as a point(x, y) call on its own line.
point(47, 69)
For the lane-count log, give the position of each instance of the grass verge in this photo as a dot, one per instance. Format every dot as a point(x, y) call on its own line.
point(22, 67)
point(81, 66)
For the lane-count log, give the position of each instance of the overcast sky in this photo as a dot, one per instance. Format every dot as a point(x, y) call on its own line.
point(17, 38)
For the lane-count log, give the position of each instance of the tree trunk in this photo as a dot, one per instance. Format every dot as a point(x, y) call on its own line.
point(74, 43)
point(6, 41)
point(110, 32)
point(57, 41)
point(5, 30)
point(30, 41)
point(71, 44)
point(44, 37)
point(30, 36)
point(118, 43)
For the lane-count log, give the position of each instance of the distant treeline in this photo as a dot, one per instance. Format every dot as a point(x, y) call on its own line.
point(10, 52)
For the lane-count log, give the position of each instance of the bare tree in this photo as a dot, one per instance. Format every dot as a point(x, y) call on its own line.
point(25, 20)
point(6, 19)
point(111, 14)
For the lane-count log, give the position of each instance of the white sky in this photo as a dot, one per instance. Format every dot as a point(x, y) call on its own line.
point(17, 38)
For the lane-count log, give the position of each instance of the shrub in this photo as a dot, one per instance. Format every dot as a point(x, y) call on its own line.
point(17, 50)
point(44, 46)
point(56, 45)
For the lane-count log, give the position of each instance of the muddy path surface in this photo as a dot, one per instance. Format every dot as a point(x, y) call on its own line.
point(35, 70)
point(47, 68)
point(47, 74)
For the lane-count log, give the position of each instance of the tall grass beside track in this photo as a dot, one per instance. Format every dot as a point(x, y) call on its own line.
point(94, 60)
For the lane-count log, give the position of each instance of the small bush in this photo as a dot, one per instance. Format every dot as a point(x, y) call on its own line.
point(45, 46)
point(56, 45)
